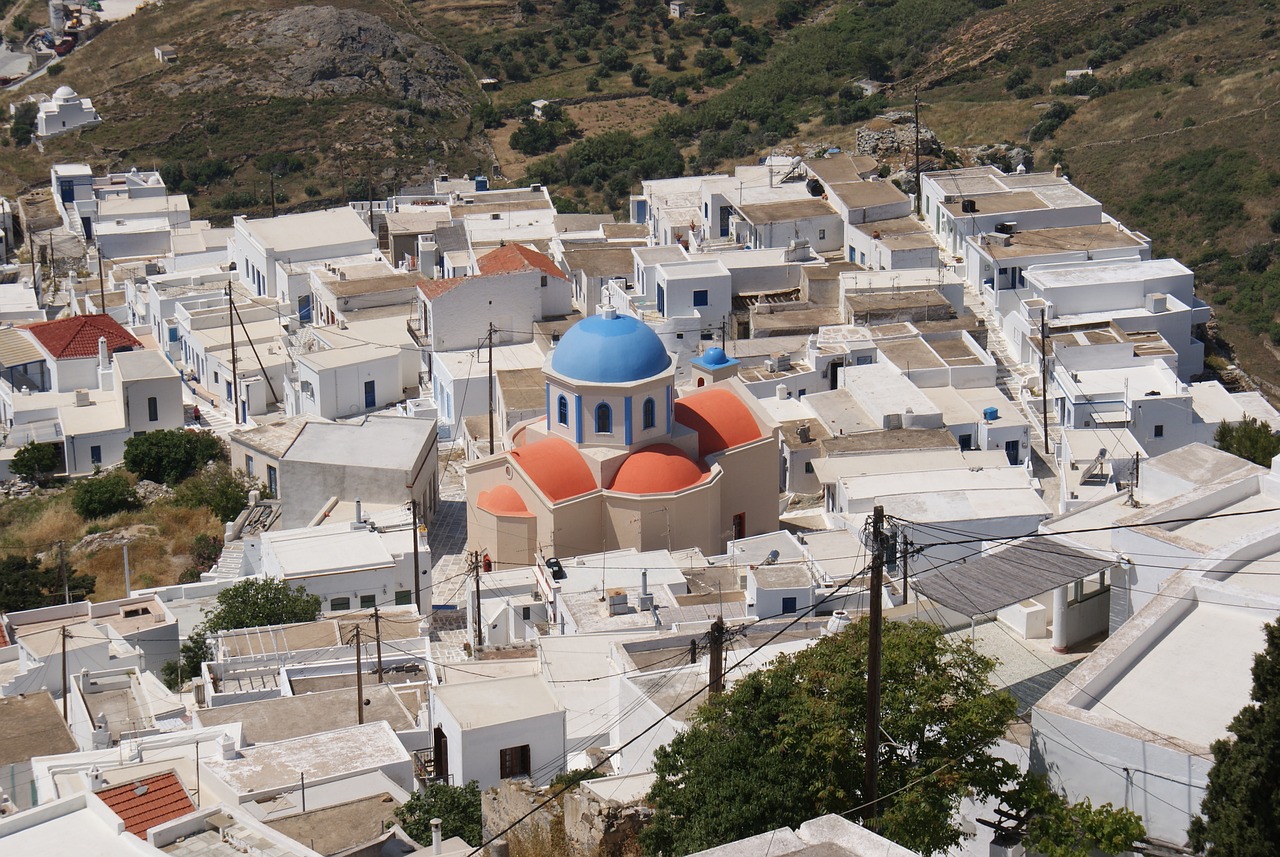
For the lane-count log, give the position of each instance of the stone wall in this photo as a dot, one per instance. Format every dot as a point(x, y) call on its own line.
point(576, 824)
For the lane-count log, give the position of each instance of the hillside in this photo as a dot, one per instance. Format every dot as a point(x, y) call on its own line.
point(323, 96)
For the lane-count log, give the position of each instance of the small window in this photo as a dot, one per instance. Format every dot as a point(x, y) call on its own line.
point(822, 235)
point(800, 394)
point(514, 762)
point(649, 414)
point(336, 604)
point(604, 419)
point(248, 464)
point(788, 605)
point(700, 297)
point(1159, 431)
point(525, 613)
point(966, 442)
point(544, 281)
point(403, 597)
point(562, 411)
point(368, 602)
point(153, 409)
point(95, 455)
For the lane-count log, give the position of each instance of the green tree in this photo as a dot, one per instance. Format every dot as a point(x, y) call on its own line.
point(1056, 828)
point(791, 736)
point(104, 495)
point(251, 603)
point(24, 124)
point(1241, 808)
point(224, 491)
point(1250, 439)
point(36, 461)
point(24, 585)
point(171, 455)
point(457, 807)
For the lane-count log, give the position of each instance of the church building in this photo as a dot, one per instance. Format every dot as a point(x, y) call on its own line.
point(620, 462)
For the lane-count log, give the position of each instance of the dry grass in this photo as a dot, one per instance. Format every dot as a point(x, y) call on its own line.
point(158, 554)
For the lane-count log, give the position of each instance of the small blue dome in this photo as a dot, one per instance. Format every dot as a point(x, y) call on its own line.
point(715, 357)
point(604, 349)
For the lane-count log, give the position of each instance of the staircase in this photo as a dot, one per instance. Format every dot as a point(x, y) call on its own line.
point(229, 565)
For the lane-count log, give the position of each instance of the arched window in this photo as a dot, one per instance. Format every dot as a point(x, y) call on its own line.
point(650, 414)
point(604, 419)
point(562, 411)
point(702, 382)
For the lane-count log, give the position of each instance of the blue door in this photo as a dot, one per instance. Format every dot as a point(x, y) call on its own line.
point(370, 399)
point(304, 309)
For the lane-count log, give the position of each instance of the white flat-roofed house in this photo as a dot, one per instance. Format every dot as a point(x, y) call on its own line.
point(136, 226)
point(383, 459)
point(268, 252)
point(972, 201)
point(343, 382)
point(480, 735)
point(65, 111)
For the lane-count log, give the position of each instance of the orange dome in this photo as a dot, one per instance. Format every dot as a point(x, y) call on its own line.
point(719, 417)
point(657, 469)
point(556, 467)
point(504, 501)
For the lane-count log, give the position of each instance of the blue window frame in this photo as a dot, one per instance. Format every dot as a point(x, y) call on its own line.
point(604, 419)
point(562, 411)
point(649, 414)
point(700, 297)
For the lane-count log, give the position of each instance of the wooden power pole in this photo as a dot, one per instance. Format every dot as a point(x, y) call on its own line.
point(874, 599)
point(492, 330)
point(716, 678)
point(377, 639)
point(417, 572)
point(359, 681)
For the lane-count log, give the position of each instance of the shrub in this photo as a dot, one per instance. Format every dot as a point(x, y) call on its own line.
point(36, 461)
point(172, 455)
point(24, 124)
point(103, 496)
point(223, 491)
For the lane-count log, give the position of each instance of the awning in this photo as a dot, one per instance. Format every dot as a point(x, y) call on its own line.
point(992, 581)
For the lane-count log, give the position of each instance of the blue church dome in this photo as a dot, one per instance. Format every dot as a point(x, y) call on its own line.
point(611, 348)
point(715, 356)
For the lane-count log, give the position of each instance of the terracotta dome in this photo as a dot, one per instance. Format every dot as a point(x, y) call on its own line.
point(503, 500)
point(658, 469)
point(556, 467)
point(719, 417)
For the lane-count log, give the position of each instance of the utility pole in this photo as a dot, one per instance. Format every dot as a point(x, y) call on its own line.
point(231, 328)
point(693, 651)
point(1044, 382)
point(359, 681)
point(492, 329)
point(377, 638)
point(918, 189)
point(475, 570)
point(35, 280)
point(716, 683)
point(66, 691)
point(903, 553)
point(62, 569)
point(874, 598)
point(102, 283)
point(271, 175)
point(417, 573)
point(724, 329)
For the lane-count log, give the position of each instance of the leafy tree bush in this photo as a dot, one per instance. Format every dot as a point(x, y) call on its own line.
point(1051, 120)
point(1251, 440)
point(615, 59)
point(24, 124)
point(640, 76)
point(251, 603)
point(1274, 221)
point(224, 491)
point(24, 585)
point(172, 455)
point(279, 163)
point(1056, 828)
point(104, 495)
point(36, 461)
point(1241, 808)
point(457, 807)
point(794, 733)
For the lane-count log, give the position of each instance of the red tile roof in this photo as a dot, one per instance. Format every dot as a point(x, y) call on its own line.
point(433, 289)
point(163, 799)
point(556, 467)
point(513, 258)
point(719, 417)
point(71, 338)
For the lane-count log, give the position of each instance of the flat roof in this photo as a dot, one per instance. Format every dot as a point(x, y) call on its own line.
point(310, 229)
point(332, 358)
point(786, 210)
point(1095, 273)
point(334, 829)
point(390, 443)
point(327, 550)
point(610, 261)
point(1005, 202)
point(31, 725)
point(143, 365)
point(351, 286)
point(272, 438)
point(286, 717)
point(1105, 235)
point(867, 194)
point(1209, 648)
point(490, 702)
point(840, 168)
point(320, 756)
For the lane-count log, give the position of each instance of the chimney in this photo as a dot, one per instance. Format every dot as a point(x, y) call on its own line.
point(359, 512)
point(93, 779)
point(437, 842)
point(1057, 170)
point(227, 745)
point(104, 359)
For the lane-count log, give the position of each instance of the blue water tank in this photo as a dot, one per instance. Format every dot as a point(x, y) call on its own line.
point(482, 183)
point(990, 414)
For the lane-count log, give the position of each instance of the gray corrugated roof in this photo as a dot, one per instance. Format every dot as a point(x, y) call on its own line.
point(16, 348)
point(1020, 571)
